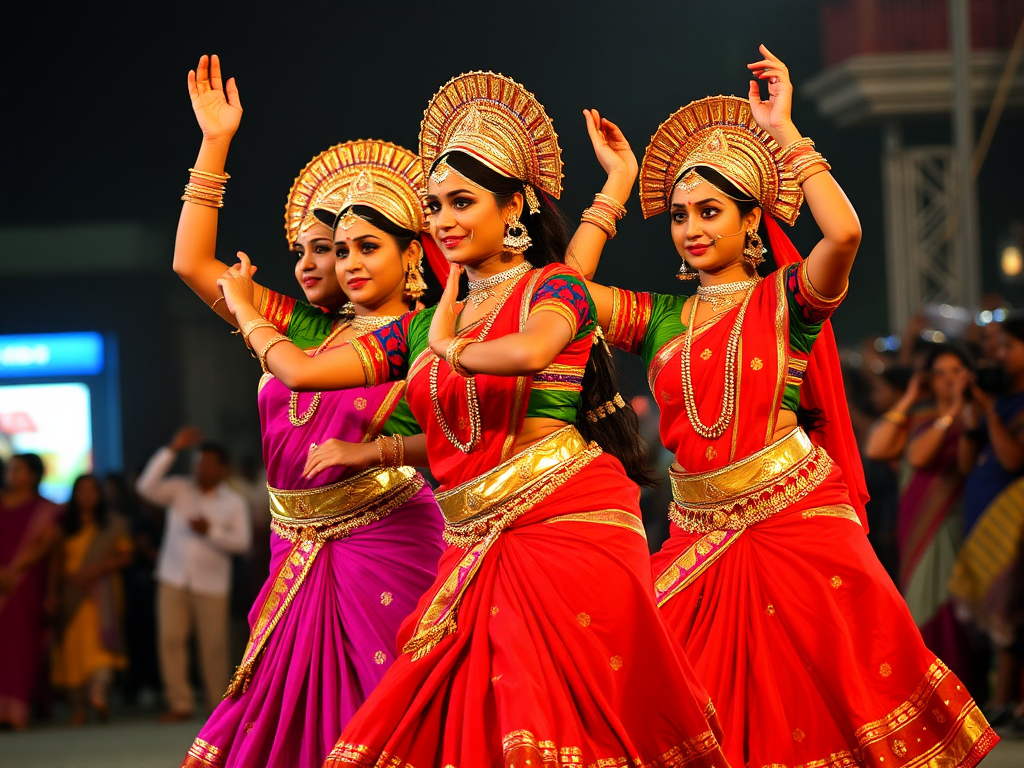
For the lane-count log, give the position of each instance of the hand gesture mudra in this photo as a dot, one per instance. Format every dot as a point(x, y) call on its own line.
point(217, 106)
point(610, 145)
point(442, 324)
point(776, 112)
point(236, 284)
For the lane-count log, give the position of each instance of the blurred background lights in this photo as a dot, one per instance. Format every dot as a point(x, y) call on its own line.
point(1011, 261)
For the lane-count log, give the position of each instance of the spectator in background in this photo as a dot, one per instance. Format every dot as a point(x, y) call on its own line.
point(207, 522)
point(90, 599)
point(28, 532)
point(929, 526)
point(991, 449)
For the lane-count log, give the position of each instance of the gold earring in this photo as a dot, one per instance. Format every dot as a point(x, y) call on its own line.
point(415, 286)
point(685, 273)
point(516, 239)
point(754, 250)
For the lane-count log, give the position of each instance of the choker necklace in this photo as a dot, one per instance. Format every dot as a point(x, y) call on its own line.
point(362, 325)
point(480, 290)
point(722, 294)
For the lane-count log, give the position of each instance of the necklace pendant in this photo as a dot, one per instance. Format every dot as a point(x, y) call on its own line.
point(479, 297)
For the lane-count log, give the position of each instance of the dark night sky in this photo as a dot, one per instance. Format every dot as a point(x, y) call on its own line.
point(98, 122)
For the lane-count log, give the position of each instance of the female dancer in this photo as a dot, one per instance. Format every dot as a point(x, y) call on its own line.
point(351, 551)
point(97, 545)
point(540, 642)
point(768, 579)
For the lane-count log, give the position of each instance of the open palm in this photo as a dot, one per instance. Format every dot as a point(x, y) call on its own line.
point(217, 106)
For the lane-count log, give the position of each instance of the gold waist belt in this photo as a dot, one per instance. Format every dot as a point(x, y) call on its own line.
point(336, 510)
point(493, 500)
point(750, 490)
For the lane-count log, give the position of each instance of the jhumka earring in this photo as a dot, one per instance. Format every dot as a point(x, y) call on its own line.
point(517, 239)
point(415, 286)
point(685, 273)
point(754, 250)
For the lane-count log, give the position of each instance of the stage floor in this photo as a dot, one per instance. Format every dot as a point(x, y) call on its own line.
point(146, 744)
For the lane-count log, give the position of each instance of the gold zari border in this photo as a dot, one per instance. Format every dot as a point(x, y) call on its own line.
point(202, 754)
point(616, 517)
point(346, 498)
point(750, 490)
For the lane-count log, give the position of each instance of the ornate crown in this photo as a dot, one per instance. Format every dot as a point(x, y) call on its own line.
point(718, 132)
point(497, 121)
point(384, 176)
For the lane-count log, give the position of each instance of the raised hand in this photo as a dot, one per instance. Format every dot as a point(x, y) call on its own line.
point(610, 145)
point(775, 114)
point(236, 284)
point(217, 106)
point(186, 437)
point(442, 325)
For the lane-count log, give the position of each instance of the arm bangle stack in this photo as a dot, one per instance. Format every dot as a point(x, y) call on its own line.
point(205, 188)
point(451, 356)
point(604, 214)
point(803, 160)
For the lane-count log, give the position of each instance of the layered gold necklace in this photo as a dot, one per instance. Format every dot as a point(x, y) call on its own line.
point(472, 399)
point(481, 290)
point(362, 325)
point(728, 410)
point(721, 295)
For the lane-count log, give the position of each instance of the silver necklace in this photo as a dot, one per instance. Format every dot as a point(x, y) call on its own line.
point(364, 324)
point(480, 290)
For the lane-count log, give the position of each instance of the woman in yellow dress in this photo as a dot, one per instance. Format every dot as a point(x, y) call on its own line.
point(90, 602)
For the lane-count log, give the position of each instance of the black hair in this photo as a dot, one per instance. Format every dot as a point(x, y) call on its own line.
point(35, 465)
point(619, 432)
point(941, 350)
point(402, 236)
point(72, 520)
point(743, 201)
point(218, 450)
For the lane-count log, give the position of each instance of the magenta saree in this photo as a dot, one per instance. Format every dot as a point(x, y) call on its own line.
point(350, 557)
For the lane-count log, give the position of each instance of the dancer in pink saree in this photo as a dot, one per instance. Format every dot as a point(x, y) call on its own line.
point(352, 550)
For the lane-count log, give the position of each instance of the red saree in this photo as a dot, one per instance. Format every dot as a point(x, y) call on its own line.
point(540, 643)
point(768, 580)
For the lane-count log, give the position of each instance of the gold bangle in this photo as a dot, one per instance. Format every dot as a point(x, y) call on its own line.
point(201, 190)
point(221, 177)
point(617, 208)
point(451, 356)
point(380, 449)
point(263, 352)
point(600, 219)
point(216, 302)
point(895, 417)
point(252, 325)
point(399, 450)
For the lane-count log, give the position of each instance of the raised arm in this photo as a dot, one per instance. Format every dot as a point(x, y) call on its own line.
point(218, 111)
point(339, 368)
point(888, 437)
point(830, 262)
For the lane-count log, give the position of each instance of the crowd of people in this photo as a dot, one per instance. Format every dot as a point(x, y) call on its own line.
point(109, 586)
point(510, 612)
point(941, 430)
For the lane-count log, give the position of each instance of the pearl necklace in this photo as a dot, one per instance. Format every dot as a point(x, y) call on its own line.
point(362, 325)
point(480, 290)
point(472, 399)
point(720, 295)
point(717, 429)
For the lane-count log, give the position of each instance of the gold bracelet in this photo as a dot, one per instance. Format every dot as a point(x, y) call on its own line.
point(263, 352)
point(380, 449)
point(219, 177)
point(216, 302)
point(399, 450)
point(617, 208)
point(201, 190)
point(600, 219)
point(451, 356)
point(895, 417)
point(252, 325)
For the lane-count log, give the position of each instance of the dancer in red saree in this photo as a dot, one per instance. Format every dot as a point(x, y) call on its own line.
point(540, 642)
point(768, 579)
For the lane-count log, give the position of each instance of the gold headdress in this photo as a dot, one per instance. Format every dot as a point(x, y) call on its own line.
point(718, 132)
point(498, 122)
point(378, 174)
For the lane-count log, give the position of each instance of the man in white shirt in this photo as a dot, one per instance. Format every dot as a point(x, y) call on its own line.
point(207, 522)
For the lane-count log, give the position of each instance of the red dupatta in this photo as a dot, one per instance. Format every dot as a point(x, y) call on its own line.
point(823, 389)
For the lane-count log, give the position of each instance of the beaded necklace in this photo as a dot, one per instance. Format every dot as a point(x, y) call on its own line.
point(721, 295)
point(480, 290)
point(717, 429)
